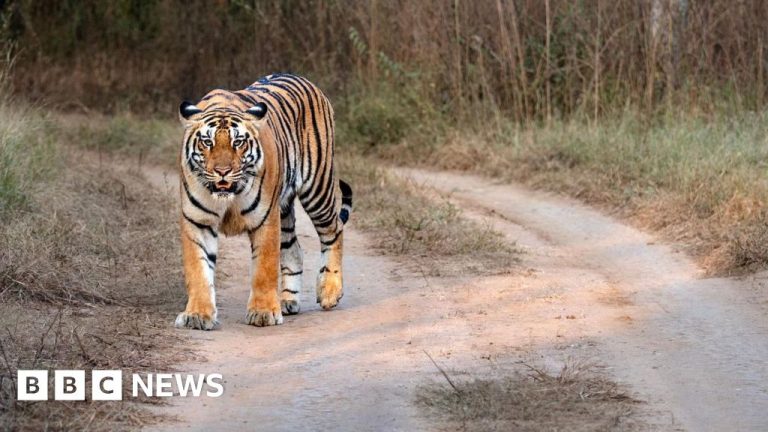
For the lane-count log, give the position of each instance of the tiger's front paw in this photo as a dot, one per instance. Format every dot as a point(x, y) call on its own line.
point(329, 289)
point(196, 320)
point(263, 318)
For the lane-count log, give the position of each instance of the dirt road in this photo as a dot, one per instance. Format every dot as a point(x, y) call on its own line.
point(589, 288)
point(696, 348)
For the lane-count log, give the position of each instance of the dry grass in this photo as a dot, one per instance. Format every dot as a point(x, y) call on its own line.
point(40, 336)
point(86, 277)
point(26, 153)
point(97, 236)
point(151, 140)
point(698, 180)
point(575, 399)
point(408, 222)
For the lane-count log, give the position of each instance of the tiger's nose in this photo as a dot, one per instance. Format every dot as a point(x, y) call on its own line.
point(222, 170)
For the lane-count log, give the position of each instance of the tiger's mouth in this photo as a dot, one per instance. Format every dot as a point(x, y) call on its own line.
point(222, 187)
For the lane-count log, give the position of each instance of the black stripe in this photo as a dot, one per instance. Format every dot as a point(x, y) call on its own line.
point(289, 86)
point(255, 202)
point(264, 219)
point(332, 241)
point(316, 130)
point(200, 225)
point(284, 105)
point(288, 244)
point(305, 99)
point(324, 203)
point(346, 192)
point(246, 98)
point(195, 202)
point(324, 223)
point(290, 291)
point(320, 198)
point(269, 210)
point(211, 257)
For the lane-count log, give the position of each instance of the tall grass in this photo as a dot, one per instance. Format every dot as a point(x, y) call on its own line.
point(530, 59)
point(27, 155)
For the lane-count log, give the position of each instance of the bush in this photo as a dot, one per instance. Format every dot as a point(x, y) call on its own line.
point(375, 118)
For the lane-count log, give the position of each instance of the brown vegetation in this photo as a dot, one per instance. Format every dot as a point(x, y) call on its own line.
point(86, 277)
point(530, 59)
point(636, 106)
point(575, 399)
point(699, 181)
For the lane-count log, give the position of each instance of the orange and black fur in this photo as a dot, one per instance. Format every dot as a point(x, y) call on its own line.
point(246, 156)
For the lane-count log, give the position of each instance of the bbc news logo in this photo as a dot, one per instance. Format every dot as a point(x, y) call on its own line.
point(107, 385)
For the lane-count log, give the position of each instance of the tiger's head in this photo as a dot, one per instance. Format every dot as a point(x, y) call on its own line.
point(221, 141)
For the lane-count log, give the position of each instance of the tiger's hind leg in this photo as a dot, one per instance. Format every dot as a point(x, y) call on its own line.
point(329, 278)
point(328, 213)
point(291, 264)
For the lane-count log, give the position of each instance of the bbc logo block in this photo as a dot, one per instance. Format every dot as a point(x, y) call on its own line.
point(107, 385)
point(33, 385)
point(69, 385)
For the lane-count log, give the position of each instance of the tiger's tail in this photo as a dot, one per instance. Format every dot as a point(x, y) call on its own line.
point(346, 201)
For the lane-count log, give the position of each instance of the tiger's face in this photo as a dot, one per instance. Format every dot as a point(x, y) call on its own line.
point(221, 147)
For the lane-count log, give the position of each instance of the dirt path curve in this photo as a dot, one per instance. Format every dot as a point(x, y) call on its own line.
point(588, 288)
point(697, 347)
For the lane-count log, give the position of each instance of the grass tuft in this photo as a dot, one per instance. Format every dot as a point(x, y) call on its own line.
point(575, 399)
point(373, 118)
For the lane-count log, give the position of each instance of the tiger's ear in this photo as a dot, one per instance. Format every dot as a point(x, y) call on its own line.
point(259, 110)
point(187, 110)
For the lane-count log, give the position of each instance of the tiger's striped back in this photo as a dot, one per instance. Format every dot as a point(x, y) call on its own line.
point(301, 117)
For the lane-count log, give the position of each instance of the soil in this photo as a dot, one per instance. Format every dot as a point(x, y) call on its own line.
point(588, 289)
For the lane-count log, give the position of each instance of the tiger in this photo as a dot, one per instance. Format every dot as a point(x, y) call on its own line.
point(246, 156)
